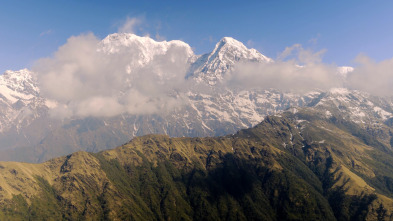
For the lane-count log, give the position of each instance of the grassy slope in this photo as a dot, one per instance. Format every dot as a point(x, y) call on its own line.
point(293, 167)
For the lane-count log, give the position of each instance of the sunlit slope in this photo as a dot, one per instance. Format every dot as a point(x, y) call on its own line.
point(300, 165)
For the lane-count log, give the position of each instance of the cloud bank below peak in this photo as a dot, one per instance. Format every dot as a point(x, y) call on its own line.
point(295, 70)
point(284, 76)
point(125, 73)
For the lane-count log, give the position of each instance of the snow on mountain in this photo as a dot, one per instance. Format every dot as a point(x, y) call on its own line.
point(19, 99)
point(359, 107)
point(18, 85)
point(244, 108)
point(216, 111)
point(344, 70)
point(139, 50)
point(208, 68)
point(211, 67)
point(118, 42)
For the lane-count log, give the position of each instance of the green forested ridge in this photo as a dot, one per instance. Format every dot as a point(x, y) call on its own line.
point(296, 166)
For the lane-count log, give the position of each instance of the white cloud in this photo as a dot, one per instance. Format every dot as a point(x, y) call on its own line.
point(314, 40)
point(159, 37)
point(373, 77)
point(89, 82)
point(250, 43)
point(301, 55)
point(288, 51)
point(286, 74)
point(130, 25)
point(211, 39)
point(47, 32)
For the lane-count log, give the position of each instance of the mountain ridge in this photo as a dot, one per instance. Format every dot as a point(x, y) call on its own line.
point(300, 165)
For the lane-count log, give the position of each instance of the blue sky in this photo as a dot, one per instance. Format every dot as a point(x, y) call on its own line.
point(34, 29)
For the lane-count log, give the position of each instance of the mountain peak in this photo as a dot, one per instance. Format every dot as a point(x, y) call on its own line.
point(117, 42)
point(17, 79)
point(237, 50)
point(127, 39)
point(140, 50)
point(211, 67)
point(17, 74)
point(229, 42)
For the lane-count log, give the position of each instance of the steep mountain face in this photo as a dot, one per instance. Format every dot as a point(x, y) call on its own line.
point(300, 164)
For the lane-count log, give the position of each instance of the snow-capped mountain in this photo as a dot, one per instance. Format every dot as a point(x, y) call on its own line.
point(138, 50)
point(359, 107)
point(29, 133)
point(18, 85)
point(19, 99)
point(208, 68)
point(211, 67)
point(148, 47)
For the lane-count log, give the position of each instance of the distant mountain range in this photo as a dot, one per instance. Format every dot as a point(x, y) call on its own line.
point(209, 108)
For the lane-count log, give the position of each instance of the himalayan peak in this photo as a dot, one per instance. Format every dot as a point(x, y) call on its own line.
point(211, 67)
point(208, 68)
